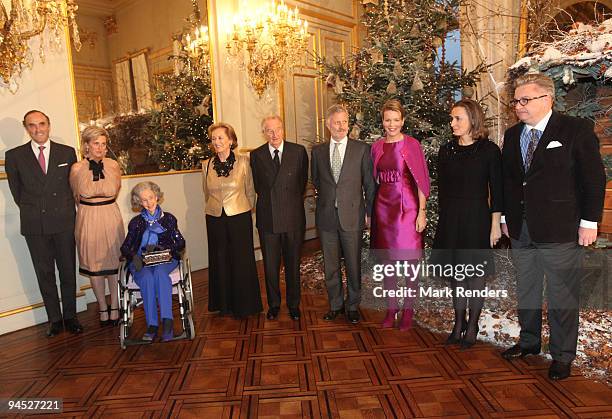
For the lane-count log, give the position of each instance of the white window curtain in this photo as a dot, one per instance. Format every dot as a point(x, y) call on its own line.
point(125, 99)
point(140, 72)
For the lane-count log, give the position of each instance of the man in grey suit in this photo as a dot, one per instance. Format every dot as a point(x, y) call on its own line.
point(342, 177)
point(280, 173)
point(38, 176)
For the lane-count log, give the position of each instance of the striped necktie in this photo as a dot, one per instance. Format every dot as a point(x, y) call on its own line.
point(534, 137)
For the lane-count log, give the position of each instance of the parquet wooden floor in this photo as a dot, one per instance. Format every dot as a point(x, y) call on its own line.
point(284, 369)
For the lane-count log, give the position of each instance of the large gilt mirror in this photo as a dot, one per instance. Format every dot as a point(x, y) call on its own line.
point(143, 73)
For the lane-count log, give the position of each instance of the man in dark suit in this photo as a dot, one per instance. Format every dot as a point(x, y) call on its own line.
point(554, 185)
point(38, 176)
point(280, 173)
point(342, 177)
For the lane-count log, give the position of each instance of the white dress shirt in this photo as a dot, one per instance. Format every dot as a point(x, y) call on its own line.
point(541, 126)
point(280, 151)
point(341, 148)
point(46, 151)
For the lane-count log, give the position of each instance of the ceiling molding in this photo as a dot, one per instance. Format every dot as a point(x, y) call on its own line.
point(102, 7)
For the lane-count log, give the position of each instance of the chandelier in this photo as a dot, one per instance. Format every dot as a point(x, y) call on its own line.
point(267, 43)
point(25, 20)
point(195, 42)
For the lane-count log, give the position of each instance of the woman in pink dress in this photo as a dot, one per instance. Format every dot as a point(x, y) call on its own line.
point(398, 219)
point(99, 232)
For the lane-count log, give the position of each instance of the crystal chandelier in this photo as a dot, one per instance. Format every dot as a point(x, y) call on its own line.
point(25, 20)
point(195, 41)
point(267, 43)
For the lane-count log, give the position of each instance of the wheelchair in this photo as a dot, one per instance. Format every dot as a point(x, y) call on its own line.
point(130, 299)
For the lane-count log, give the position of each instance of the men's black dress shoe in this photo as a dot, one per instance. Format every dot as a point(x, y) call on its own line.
point(353, 316)
point(55, 328)
point(294, 314)
point(559, 370)
point(517, 352)
point(332, 314)
point(272, 314)
point(73, 326)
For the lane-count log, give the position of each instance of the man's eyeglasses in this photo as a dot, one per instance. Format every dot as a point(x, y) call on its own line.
point(524, 100)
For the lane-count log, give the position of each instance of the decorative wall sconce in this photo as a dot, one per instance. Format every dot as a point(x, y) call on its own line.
point(110, 24)
point(267, 43)
point(25, 20)
point(89, 37)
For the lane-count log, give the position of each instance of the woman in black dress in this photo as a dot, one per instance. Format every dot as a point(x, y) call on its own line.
point(470, 202)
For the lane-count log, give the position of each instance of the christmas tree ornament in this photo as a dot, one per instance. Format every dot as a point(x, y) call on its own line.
point(417, 84)
point(415, 31)
point(568, 75)
point(355, 131)
point(204, 107)
point(392, 88)
point(437, 42)
point(398, 70)
point(467, 92)
point(359, 116)
point(372, 2)
point(330, 81)
point(377, 56)
point(442, 24)
point(339, 86)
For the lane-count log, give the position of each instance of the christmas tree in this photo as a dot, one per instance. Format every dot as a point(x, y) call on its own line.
point(179, 126)
point(404, 57)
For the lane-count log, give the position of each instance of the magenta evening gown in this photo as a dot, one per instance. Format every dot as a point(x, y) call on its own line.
point(396, 207)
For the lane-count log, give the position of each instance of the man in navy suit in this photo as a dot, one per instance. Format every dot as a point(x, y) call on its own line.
point(280, 174)
point(38, 176)
point(554, 186)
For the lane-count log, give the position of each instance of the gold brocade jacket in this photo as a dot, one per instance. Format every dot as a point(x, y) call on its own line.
point(235, 193)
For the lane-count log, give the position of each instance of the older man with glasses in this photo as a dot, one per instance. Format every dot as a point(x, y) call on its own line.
point(554, 185)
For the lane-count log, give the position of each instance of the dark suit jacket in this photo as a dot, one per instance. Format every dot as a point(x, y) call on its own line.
point(354, 192)
point(280, 198)
point(46, 203)
point(563, 184)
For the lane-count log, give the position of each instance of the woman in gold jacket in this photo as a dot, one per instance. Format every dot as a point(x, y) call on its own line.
point(229, 195)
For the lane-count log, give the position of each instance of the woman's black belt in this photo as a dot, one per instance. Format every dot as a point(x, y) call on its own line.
point(94, 204)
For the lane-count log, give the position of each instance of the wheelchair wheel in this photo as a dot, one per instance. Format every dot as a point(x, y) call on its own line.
point(187, 284)
point(126, 317)
point(188, 325)
point(123, 334)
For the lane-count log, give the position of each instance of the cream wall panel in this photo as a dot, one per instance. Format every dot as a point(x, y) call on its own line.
point(302, 116)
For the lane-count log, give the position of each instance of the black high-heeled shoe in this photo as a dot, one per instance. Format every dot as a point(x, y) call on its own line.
point(468, 343)
point(114, 322)
point(452, 339)
point(107, 321)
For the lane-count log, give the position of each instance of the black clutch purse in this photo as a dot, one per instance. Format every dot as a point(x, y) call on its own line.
point(157, 257)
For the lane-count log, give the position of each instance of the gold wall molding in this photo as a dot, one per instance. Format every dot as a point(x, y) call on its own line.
point(30, 307)
point(352, 16)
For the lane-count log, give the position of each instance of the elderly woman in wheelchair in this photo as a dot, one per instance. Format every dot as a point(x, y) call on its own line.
point(152, 250)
